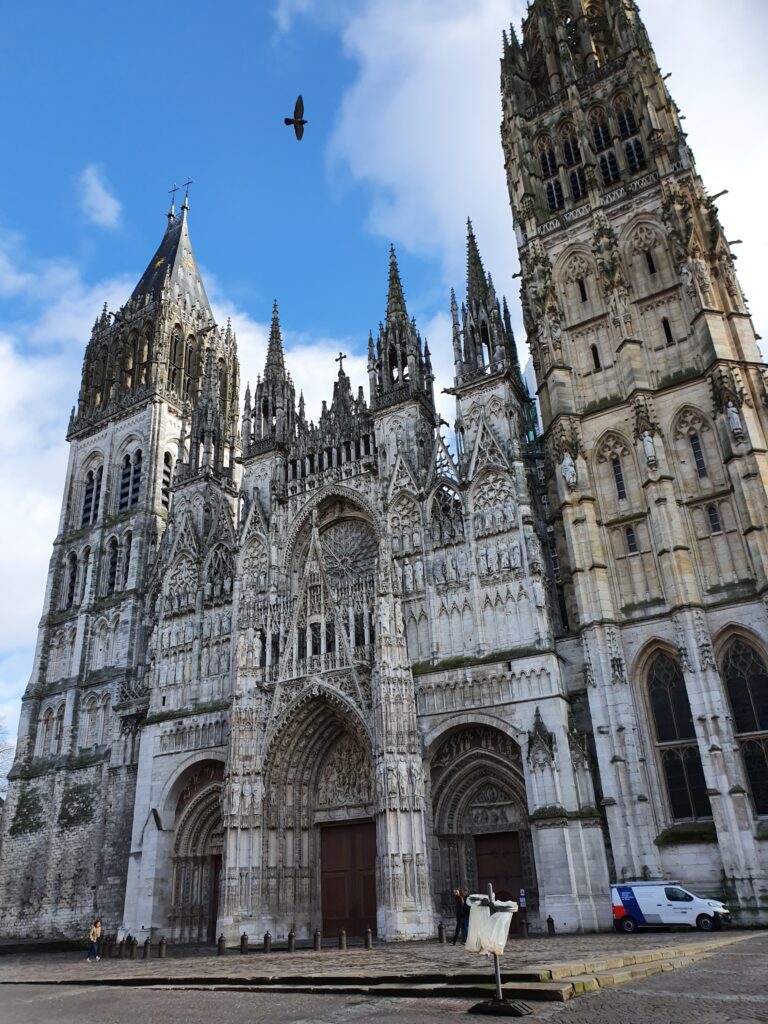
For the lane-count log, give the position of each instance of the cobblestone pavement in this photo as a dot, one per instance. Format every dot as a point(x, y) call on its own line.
point(729, 987)
point(391, 960)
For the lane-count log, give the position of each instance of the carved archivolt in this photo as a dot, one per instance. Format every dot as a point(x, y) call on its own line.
point(614, 446)
point(690, 421)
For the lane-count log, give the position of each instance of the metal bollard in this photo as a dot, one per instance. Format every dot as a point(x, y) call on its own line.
point(121, 949)
point(291, 941)
point(162, 948)
point(550, 926)
point(342, 939)
point(318, 940)
point(221, 945)
point(524, 925)
point(147, 951)
point(368, 939)
point(441, 936)
point(267, 942)
point(244, 942)
point(134, 947)
point(110, 946)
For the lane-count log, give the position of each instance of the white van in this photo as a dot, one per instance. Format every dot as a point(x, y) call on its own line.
point(645, 904)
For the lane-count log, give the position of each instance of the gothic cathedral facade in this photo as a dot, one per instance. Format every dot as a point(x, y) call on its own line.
point(299, 675)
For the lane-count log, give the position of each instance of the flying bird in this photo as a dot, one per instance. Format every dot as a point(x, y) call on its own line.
point(297, 120)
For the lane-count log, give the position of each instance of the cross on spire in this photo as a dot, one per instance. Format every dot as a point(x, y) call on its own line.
point(340, 360)
point(185, 186)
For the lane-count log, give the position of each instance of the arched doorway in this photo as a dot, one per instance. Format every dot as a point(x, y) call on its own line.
point(197, 853)
point(480, 817)
point(319, 854)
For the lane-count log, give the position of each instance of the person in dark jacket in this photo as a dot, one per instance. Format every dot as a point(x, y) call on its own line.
point(465, 919)
point(458, 904)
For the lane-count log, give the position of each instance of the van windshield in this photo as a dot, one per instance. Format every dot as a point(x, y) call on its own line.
point(675, 895)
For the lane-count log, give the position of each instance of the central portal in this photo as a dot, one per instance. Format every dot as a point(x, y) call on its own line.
point(348, 870)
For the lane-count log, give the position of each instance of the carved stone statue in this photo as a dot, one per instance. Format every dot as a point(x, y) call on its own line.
point(734, 421)
point(649, 449)
point(568, 470)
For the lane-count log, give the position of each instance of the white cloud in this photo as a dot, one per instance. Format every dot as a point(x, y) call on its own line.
point(96, 200)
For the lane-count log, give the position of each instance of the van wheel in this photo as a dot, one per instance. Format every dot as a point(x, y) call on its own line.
point(717, 923)
point(704, 923)
point(627, 925)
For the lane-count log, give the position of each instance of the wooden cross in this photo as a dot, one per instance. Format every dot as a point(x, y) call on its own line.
point(340, 361)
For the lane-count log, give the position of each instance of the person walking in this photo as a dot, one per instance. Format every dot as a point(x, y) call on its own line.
point(93, 937)
point(465, 918)
point(458, 904)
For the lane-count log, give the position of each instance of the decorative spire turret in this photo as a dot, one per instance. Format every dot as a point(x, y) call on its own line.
point(273, 418)
point(398, 371)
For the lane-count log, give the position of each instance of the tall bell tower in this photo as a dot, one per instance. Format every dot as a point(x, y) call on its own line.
point(653, 399)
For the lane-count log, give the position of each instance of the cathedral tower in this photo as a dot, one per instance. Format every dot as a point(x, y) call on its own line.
point(72, 785)
point(653, 399)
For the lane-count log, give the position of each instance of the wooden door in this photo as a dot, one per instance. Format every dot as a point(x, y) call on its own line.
point(499, 862)
point(348, 870)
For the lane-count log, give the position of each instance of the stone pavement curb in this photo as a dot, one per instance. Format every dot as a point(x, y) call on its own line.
point(558, 981)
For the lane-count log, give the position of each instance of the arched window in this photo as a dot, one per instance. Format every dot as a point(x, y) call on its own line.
point(90, 480)
point(715, 526)
point(668, 336)
point(609, 168)
point(111, 565)
point(618, 476)
point(89, 722)
point(676, 740)
point(601, 133)
point(103, 727)
point(85, 567)
point(555, 198)
point(165, 487)
point(595, 357)
point(46, 734)
point(625, 118)
point(698, 454)
point(631, 541)
point(746, 679)
point(177, 361)
point(547, 158)
point(136, 478)
point(578, 179)
point(635, 155)
point(71, 579)
point(125, 484)
point(58, 731)
point(127, 544)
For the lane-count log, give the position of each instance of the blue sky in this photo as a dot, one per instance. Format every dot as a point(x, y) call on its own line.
point(106, 105)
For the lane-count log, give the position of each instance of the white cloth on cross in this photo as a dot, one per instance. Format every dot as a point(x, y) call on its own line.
point(488, 933)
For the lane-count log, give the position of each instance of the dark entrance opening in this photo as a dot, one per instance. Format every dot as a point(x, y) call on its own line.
point(213, 910)
point(348, 869)
point(499, 862)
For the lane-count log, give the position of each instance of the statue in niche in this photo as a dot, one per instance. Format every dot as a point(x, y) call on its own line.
point(247, 795)
point(234, 796)
point(734, 421)
point(399, 624)
point(419, 575)
point(383, 617)
point(482, 562)
point(509, 512)
point(533, 548)
point(461, 564)
point(503, 556)
point(491, 559)
point(402, 773)
point(568, 470)
point(398, 577)
point(408, 577)
point(514, 554)
point(539, 595)
point(438, 571)
point(649, 448)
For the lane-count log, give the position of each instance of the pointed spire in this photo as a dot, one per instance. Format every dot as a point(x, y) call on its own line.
point(395, 298)
point(477, 286)
point(275, 361)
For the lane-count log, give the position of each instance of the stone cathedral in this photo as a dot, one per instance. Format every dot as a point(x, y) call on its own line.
point(299, 675)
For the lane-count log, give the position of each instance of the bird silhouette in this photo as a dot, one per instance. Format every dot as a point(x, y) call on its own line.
point(297, 120)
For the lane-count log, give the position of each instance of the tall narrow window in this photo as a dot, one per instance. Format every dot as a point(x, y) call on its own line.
point(571, 151)
point(71, 578)
point(136, 478)
point(618, 477)
point(601, 133)
point(650, 262)
point(631, 541)
point(97, 493)
point(548, 163)
point(746, 679)
point(127, 545)
point(676, 740)
point(111, 566)
point(555, 197)
point(88, 499)
point(698, 454)
point(668, 337)
point(714, 520)
point(626, 121)
point(635, 155)
point(609, 168)
point(84, 573)
point(596, 358)
point(578, 179)
point(165, 488)
point(582, 289)
point(125, 484)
